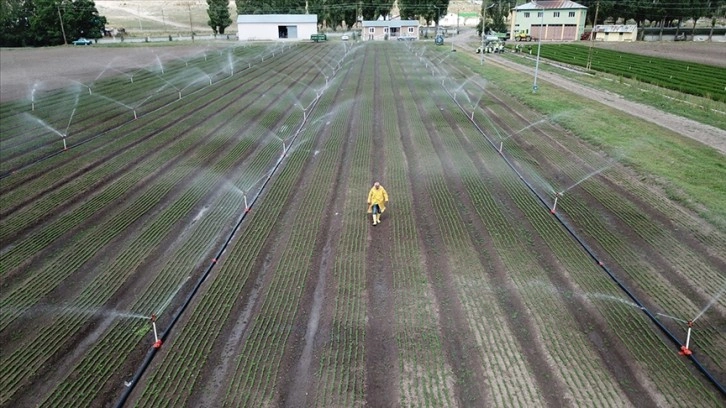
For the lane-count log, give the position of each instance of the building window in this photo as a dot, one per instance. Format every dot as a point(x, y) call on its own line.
point(410, 30)
point(526, 14)
point(572, 14)
point(372, 30)
point(539, 14)
point(385, 29)
point(556, 14)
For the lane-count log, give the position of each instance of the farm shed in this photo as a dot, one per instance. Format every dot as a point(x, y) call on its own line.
point(393, 29)
point(276, 26)
point(615, 32)
point(558, 20)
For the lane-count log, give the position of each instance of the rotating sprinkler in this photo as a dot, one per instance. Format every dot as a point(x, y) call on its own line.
point(157, 340)
point(685, 351)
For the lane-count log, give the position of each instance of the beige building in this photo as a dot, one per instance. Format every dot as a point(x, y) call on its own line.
point(390, 29)
point(555, 20)
point(617, 32)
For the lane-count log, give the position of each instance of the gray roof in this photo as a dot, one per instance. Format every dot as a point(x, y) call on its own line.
point(550, 5)
point(277, 18)
point(390, 23)
point(616, 28)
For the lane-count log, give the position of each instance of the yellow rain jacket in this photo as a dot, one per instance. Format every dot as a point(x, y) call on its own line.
point(377, 196)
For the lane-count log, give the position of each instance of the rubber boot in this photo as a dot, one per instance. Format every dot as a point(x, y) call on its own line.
point(375, 219)
point(378, 218)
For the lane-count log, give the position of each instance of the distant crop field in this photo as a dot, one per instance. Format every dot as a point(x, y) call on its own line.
point(683, 76)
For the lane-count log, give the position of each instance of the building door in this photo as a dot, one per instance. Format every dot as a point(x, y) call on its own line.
point(281, 31)
point(291, 31)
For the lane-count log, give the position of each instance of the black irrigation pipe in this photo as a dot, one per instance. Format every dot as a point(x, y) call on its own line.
point(594, 256)
point(88, 139)
point(155, 348)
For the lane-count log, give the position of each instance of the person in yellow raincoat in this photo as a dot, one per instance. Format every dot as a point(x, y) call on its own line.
point(377, 200)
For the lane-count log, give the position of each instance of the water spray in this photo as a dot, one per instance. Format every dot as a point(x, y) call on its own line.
point(157, 340)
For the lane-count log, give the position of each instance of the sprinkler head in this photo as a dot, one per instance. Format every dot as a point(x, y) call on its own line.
point(157, 344)
point(690, 323)
point(685, 351)
point(153, 318)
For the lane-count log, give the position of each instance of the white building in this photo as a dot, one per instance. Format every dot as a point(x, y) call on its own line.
point(619, 32)
point(252, 27)
point(393, 29)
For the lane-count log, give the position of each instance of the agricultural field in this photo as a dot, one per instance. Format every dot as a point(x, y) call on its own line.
point(194, 233)
point(684, 76)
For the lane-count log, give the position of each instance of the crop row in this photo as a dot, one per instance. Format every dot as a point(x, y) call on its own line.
point(682, 76)
point(107, 196)
point(681, 260)
point(212, 150)
point(231, 278)
point(588, 210)
point(515, 182)
point(113, 103)
point(113, 276)
point(197, 246)
point(425, 375)
point(546, 311)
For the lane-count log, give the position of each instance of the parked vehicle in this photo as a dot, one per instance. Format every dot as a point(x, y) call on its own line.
point(345, 37)
point(491, 47)
point(82, 41)
point(319, 37)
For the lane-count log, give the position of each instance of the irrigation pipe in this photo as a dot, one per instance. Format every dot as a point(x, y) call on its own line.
point(154, 350)
point(592, 254)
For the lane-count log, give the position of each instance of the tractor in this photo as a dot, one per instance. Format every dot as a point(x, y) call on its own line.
point(522, 36)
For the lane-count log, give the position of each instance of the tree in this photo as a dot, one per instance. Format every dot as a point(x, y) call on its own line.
point(270, 6)
point(14, 22)
point(219, 18)
point(38, 22)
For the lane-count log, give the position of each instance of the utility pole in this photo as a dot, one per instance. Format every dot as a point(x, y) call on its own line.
point(592, 37)
point(63, 29)
point(483, 31)
point(191, 28)
point(539, 46)
point(483, 28)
